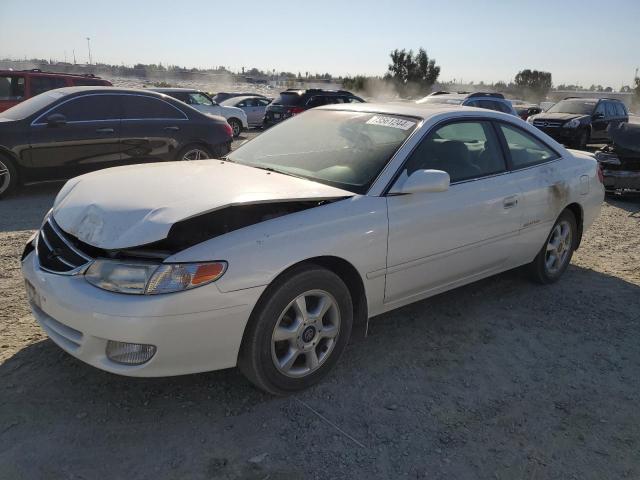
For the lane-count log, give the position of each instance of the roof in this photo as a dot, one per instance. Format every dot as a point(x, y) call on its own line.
point(174, 89)
point(98, 88)
point(37, 71)
point(592, 99)
point(417, 110)
point(243, 97)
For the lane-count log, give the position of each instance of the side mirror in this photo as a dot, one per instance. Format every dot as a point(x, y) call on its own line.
point(598, 116)
point(423, 181)
point(56, 120)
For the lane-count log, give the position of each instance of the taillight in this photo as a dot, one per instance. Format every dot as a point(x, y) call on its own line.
point(228, 129)
point(600, 174)
point(295, 110)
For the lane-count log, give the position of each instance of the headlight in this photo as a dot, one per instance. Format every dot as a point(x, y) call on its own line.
point(152, 278)
point(575, 123)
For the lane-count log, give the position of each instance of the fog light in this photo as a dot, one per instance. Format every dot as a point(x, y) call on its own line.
point(129, 353)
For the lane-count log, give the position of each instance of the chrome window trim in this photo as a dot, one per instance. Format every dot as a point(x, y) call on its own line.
point(184, 115)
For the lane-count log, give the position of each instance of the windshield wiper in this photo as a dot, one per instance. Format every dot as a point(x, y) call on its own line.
point(271, 169)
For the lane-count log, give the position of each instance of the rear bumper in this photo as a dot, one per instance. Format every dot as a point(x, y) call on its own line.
point(621, 179)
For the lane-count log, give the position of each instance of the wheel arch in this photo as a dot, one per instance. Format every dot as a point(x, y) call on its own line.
point(349, 275)
point(577, 211)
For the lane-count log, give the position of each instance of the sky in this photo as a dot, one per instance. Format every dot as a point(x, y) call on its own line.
point(584, 42)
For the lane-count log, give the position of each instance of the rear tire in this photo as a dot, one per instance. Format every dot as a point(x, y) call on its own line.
point(555, 255)
point(291, 344)
point(8, 177)
point(194, 151)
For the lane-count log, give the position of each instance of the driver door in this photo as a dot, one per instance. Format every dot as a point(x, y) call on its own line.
point(439, 239)
point(85, 138)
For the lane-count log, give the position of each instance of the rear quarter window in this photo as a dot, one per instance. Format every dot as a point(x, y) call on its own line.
point(87, 82)
point(288, 99)
point(525, 149)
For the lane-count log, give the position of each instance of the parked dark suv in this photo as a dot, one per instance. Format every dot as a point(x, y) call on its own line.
point(18, 86)
point(70, 131)
point(294, 101)
point(577, 121)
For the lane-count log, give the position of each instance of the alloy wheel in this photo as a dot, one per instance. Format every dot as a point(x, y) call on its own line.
point(5, 177)
point(195, 154)
point(558, 247)
point(305, 333)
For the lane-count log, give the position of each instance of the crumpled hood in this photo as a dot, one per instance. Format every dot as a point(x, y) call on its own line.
point(126, 207)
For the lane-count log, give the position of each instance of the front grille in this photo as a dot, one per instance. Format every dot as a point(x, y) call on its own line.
point(548, 123)
point(56, 252)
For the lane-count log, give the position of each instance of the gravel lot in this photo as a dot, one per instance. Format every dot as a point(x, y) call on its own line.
point(500, 379)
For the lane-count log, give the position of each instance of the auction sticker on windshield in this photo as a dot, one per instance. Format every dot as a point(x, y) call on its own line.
point(392, 122)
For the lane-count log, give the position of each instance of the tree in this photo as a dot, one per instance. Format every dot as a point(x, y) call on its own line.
point(412, 74)
point(537, 82)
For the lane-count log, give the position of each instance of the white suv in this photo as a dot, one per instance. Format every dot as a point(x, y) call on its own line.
point(236, 117)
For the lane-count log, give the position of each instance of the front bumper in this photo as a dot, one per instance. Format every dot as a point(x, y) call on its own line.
point(567, 136)
point(194, 331)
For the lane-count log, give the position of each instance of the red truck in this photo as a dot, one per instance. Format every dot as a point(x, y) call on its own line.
point(19, 85)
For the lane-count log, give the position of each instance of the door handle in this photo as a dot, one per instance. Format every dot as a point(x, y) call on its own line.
point(173, 129)
point(105, 130)
point(510, 202)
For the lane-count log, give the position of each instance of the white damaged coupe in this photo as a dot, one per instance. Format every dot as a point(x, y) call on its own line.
point(269, 259)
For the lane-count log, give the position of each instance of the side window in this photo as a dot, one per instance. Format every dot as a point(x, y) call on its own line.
point(611, 110)
point(44, 84)
point(137, 107)
point(244, 103)
point(525, 149)
point(354, 100)
point(600, 109)
point(315, 101)
point(11, 87)
point(89, 108)
point(262, 102)
point(464, 150)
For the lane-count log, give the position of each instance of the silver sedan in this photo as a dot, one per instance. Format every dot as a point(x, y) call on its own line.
point(254, 107)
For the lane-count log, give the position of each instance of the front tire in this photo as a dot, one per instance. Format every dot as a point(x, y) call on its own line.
point(298, 331)
point(236, 126)
point(8, 177)
point(555, 255)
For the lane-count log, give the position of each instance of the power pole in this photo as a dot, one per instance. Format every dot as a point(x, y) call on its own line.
point(89, 48)
point(74, 56)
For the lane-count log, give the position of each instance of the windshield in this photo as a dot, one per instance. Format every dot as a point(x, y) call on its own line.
point(581, 107)
point(200, 99)
point(339, 148)
point(442, 99)
point(31, 106)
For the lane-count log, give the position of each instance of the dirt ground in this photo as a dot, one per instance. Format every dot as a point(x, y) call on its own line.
point(500, 379)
